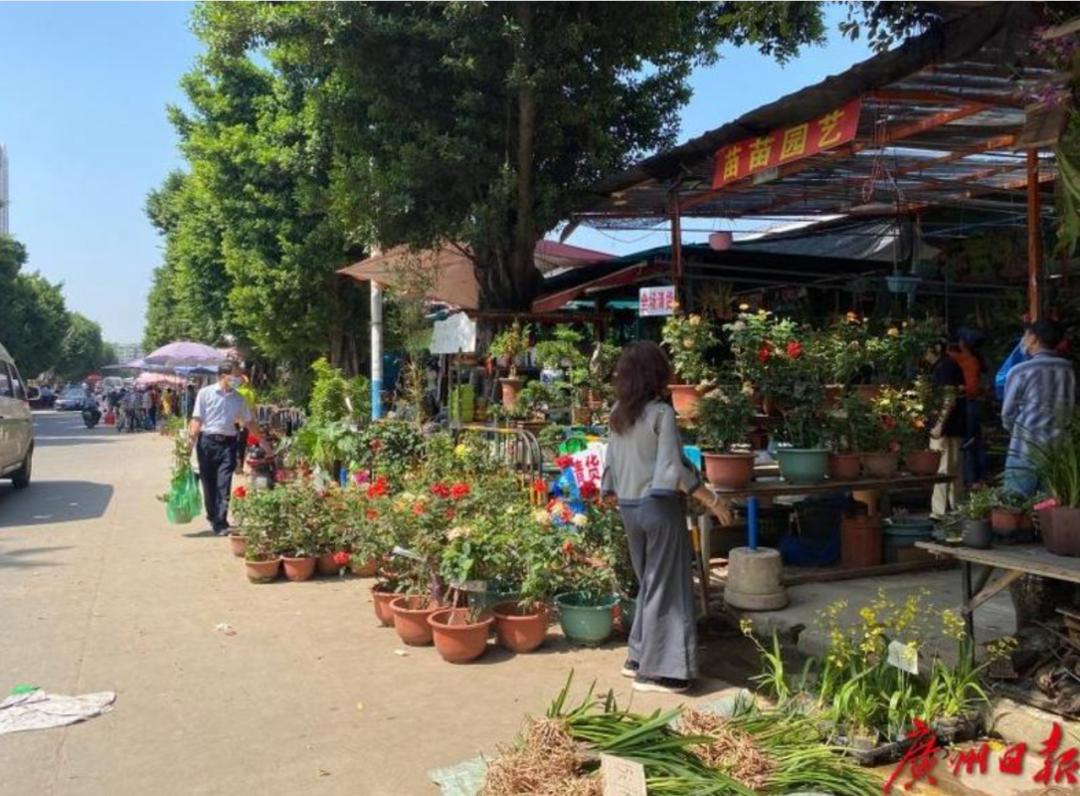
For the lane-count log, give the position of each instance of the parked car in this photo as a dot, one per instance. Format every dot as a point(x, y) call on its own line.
point(41, 397)
point(71, 398)
point(16, 424)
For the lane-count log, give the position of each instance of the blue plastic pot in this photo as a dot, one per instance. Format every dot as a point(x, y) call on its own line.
point(585, 620)
point(803, 465)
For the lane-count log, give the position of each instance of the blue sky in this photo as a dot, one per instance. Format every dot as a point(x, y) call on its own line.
point(82, 111)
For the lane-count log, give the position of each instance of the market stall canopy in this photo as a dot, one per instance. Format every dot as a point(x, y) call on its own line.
point(935, 121)
point(183, 352)
point(148, 379)
point(455, 279)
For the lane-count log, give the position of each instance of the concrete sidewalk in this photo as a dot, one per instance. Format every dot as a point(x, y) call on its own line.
point(98, 592)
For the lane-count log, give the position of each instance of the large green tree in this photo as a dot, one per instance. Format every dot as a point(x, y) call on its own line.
point(485, 122)
point(33, 318)
point(82, 351)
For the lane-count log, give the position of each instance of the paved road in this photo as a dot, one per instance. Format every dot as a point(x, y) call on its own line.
point(98, 592)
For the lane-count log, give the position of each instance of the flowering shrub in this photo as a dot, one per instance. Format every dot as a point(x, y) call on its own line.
point(724, 417)
point(688, 339)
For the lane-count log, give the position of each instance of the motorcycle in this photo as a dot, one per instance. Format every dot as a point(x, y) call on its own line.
point(91, 415)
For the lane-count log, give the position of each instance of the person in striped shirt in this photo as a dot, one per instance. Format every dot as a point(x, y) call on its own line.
point(1039, 397)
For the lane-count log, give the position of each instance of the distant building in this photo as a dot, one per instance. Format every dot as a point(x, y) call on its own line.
point(4, 228)
point(125, 352)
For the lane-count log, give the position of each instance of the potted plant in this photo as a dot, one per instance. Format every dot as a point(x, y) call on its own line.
point(561, 355)
point(804, 460)
point(588, 589)
point(915, 406)
point(843, 427)
point(237, 539)
point(1058, 465)
point(976, 513)
point(263, 524)
point(840, 349)
point(879, 440)
point(521, 625)
point(460, 634)
point(508, 345)
point(300, 513)
point(688, 339)
point(724, 417)
point(1011, 515)
point(769, 358)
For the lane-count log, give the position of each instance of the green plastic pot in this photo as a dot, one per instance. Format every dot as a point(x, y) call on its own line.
point(627, 608)
point(803, 465)
point(584, 620)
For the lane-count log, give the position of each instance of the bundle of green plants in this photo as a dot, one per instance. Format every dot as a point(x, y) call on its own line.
point(1058, 464)
point(684, 752)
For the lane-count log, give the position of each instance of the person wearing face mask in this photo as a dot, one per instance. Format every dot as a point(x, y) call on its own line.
point(1039, 398)
point(219, 409)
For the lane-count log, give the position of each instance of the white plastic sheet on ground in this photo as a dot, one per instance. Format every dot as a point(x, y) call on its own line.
point(39, 710)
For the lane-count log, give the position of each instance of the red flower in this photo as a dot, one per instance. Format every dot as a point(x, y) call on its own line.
point(449, 514)
point(417, 509)
point(567, 515)
point(459, 490)
point(376, 445)
point(794, 349)
point(440, 490)
point(589, 490)
point(764, 353)
point(379, 488)
point(371, 514)
point(240, 492)
point(341, 558)
point(540, 486)
point(551, 504)
point(563, 462)
point(568, 547)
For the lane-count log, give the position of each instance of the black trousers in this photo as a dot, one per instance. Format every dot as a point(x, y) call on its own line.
point(217, 461)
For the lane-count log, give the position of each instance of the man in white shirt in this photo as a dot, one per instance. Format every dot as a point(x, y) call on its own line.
point(218, 410)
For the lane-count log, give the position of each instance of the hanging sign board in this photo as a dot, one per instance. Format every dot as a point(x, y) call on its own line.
point(656, 300)
point(768, 152)
point(455, 335)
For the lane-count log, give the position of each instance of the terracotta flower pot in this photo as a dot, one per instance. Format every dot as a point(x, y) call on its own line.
point(685, 398)
point(868, 391)
point(923, 462)
point(297, 569)
point(880, 464)
point(238, 544)
point(861, 542)
point(844, 466)
point(365, 570)
point(833, 394)
point(456, 638)
point(411, 613)
point(324, 564)
point(1060, 527)
point(520, 631)
point(1005, 521)
point(729, 470)
point(510, 390)
point(262, 571)
point(381, 600)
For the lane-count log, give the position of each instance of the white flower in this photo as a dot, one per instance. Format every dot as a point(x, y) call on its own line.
point(541, 516)
point(580, 520)
point(458, 533)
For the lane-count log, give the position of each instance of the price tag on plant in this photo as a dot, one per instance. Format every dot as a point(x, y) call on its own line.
point(622, 777)
point(904, 657)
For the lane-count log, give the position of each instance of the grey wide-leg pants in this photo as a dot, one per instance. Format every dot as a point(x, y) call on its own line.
point(663, 639)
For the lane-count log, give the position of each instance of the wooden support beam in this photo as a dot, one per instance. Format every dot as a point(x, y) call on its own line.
point(1034, 234)
point(676, 248)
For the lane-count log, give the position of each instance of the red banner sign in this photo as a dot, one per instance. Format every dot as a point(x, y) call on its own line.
point(752, 155)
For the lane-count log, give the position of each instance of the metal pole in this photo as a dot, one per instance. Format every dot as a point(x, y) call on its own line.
point(376, 350)
point(1034, 233)
point(676, 247)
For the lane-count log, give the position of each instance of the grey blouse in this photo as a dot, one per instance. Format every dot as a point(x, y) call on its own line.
point(648, 461)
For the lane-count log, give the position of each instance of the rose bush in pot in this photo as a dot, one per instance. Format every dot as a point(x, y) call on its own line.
point(264, 527)
point(688, 339)
point(724, 417)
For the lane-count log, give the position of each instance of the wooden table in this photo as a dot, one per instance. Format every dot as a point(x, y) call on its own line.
point(775, 487)
point(1016, 560)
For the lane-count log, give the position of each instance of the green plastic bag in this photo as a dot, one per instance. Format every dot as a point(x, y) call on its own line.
point(185, 501)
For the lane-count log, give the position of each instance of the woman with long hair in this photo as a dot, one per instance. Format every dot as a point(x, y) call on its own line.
point(648, 473)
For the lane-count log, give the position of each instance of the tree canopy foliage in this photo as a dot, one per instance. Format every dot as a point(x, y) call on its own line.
point(484, 122)
point(33, 318)
point(82, 350)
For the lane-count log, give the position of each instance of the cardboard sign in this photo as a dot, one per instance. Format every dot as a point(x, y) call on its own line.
point(588, 465)
point(656, 301)
point(622, 777)
point(766, 153)
point(455, 335)
point(904, 657)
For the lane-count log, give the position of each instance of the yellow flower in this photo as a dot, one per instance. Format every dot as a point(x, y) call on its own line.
point(744, 307)
point(893, 332)
point(695, 320)
point(688, 342)
point(541, 516)
point(746, 626)
point(461, 450)
point(458, 533)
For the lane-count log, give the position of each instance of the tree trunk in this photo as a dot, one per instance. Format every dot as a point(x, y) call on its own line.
point(523, 263)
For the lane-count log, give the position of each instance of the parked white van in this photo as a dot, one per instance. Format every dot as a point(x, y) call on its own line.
point(16, 424)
